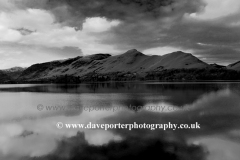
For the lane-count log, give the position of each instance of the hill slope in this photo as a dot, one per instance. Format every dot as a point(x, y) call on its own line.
point(14, 72)
point(234, 66)
point(4, 77)
point(132, 61)
point(217, 66)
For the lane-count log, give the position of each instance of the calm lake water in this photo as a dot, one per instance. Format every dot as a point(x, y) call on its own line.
point(26, 132)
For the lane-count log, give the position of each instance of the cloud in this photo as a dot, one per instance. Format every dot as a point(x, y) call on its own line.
point(98, 24)
point(124, 10)
point(35, 34)
point(207, 28)
point(14, 54)
point(32, 19)
point(217, 9)
point(6, 5)
point(24, 31)
point(147, 25)
point(9, 35)
point(142, 21)
point(164, 50)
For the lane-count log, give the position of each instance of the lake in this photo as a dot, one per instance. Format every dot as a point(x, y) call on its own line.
point(27, 131)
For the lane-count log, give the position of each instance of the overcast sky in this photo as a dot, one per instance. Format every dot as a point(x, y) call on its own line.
point(34, 31)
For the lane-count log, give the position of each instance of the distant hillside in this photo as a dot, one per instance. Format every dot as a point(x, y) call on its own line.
point(132, 62)
point(14, 72)
point(205, 74)
point(4, 77)
point(234, 66)
point(217, 65)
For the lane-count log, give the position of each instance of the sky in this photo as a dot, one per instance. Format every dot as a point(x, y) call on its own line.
point(35, 31)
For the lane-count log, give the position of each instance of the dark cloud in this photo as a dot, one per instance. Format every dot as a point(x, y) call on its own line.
point(123, 10)
point(74, 12)
point(142, 18)
point(153, 23)
point(25, 31)
point(212, 40)
point(215, 40)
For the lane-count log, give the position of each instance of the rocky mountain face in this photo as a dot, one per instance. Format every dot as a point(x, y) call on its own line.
point(132, 62)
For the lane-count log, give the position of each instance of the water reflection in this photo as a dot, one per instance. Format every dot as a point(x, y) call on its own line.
point(216, 106)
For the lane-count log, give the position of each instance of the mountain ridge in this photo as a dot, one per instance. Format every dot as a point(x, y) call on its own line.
point(131, 61)
point(13, 73)
point(234, 66)
point(127, 66)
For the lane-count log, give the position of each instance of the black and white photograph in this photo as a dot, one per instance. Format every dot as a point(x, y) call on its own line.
point(120, 80)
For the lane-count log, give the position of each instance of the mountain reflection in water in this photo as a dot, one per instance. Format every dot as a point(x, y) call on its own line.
point(26, 133)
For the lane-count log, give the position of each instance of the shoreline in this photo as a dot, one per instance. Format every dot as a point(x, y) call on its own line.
point(135, 81)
